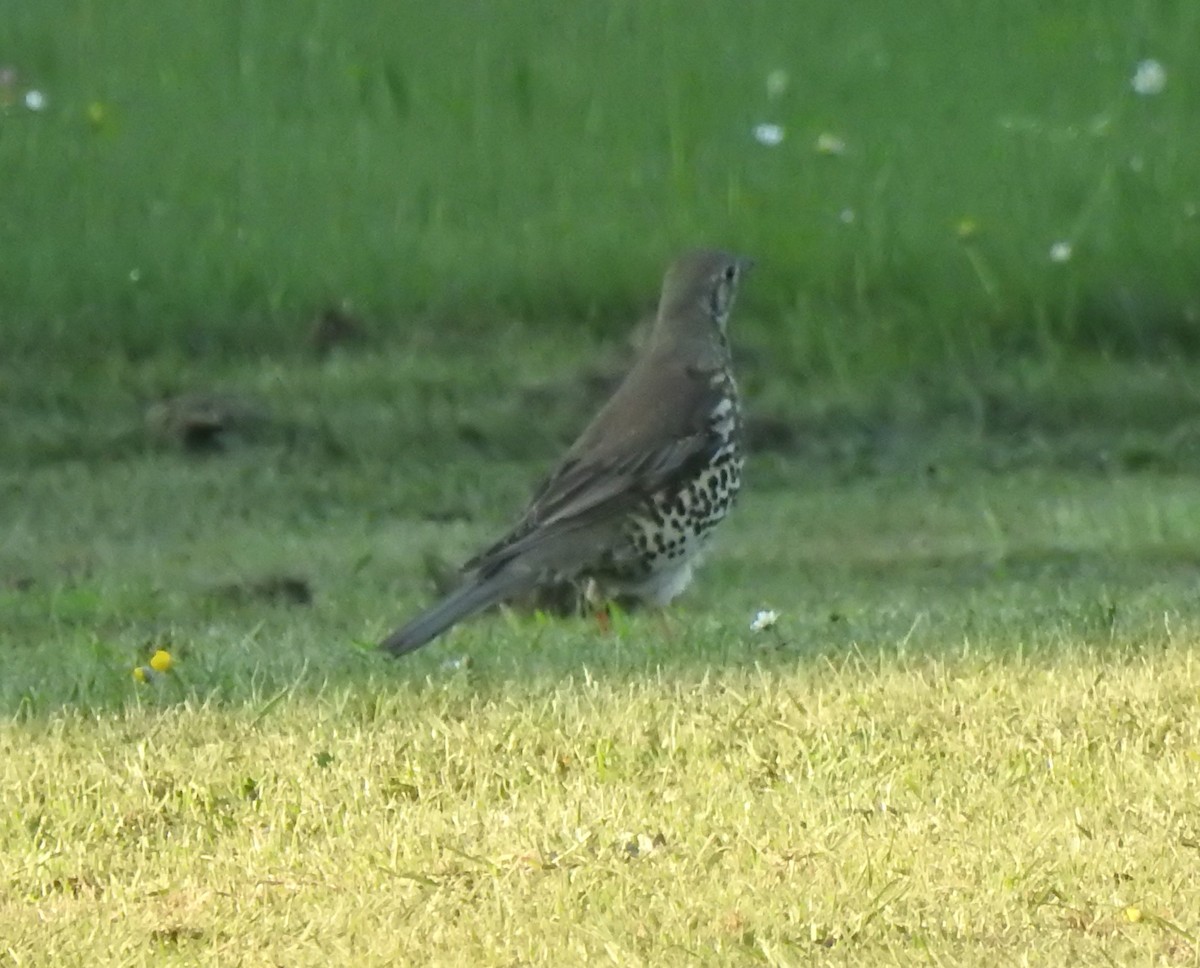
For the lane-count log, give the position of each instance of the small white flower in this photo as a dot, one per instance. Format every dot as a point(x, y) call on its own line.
point(135, 275)
point(764, 618)
point(1149, 78)
point(768, 134)
point(847, 216)
point(1061, 251)
point(35, 100)
point(777, 82)
point(830, 144)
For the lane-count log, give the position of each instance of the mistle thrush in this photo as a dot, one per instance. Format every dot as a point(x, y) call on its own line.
point(631, 506)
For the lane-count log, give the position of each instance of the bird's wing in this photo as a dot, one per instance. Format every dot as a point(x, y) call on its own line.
point(589, 498)
point(611, 469)
point(583, 486)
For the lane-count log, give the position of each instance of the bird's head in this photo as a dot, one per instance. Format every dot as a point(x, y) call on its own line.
point(698, 293)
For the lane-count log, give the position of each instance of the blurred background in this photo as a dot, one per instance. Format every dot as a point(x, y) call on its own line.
point(924, 184)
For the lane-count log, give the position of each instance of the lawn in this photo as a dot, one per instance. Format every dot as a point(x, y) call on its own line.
point(970, 738)
point(884, 805)
point(297, 300)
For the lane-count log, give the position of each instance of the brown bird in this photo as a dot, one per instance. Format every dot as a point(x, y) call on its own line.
point(632, 504)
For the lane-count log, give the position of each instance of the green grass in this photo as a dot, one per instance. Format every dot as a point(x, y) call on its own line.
point(209, 176)
point(971, 739)
point(973, 492)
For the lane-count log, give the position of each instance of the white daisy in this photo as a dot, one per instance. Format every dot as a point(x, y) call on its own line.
point(1149, 78)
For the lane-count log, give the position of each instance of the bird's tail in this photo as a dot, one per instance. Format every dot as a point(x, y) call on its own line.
point(473, 596)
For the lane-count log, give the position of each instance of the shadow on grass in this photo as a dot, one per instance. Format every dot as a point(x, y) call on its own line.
point(367, 461)
point(869, 609)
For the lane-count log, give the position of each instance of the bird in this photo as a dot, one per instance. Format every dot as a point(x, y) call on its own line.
point(632, 504)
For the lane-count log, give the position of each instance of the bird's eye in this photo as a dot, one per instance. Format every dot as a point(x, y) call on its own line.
point(731, 273)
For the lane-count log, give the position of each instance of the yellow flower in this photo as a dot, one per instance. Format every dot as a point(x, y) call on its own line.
point(1133, 914)
point(161, 661)
point(967, 229)
point(139, 674)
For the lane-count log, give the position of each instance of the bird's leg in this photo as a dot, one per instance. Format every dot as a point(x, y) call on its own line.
point(604, 619)
point(663, 618)
point(599, 604)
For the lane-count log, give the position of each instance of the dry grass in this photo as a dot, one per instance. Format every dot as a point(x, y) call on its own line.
point(871, 809)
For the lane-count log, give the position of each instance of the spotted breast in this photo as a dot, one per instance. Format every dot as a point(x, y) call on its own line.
point(667, 536)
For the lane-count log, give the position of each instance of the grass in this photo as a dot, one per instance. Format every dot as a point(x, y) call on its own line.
point(882, 806)
point(209, 177)
point(970, 739)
